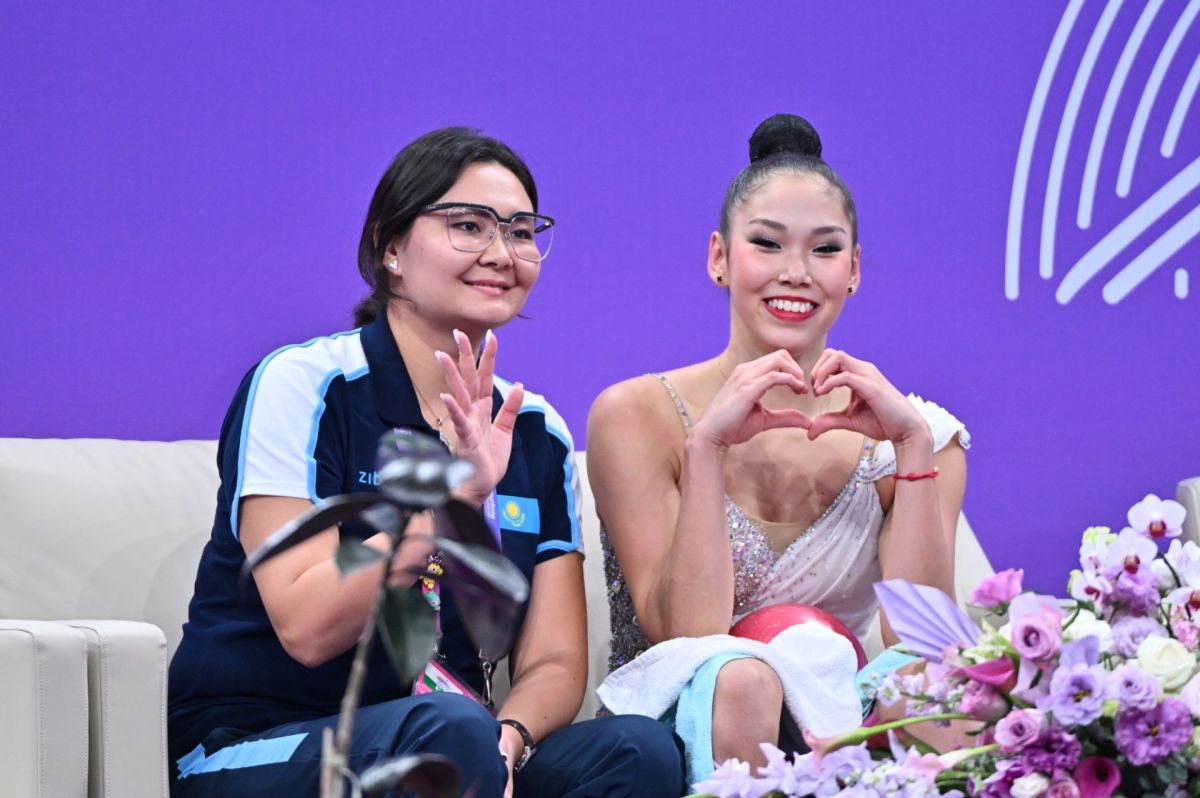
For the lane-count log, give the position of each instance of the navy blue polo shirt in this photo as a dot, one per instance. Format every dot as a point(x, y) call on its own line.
point(305, 423)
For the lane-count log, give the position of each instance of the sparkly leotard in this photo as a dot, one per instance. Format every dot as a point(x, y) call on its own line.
point(832, 564)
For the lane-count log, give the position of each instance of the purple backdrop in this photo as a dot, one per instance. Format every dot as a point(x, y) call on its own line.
point(184, 185)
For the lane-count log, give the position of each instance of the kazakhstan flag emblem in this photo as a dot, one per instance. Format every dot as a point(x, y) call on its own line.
point(519, 514)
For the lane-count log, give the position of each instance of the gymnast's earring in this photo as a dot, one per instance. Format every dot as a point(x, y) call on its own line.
point(394, 265)
point(720, 278)
point(850, 290)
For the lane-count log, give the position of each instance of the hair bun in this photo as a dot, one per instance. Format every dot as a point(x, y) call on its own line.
point(784, 133)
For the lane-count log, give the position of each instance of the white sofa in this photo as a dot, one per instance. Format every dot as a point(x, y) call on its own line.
point(112, 530)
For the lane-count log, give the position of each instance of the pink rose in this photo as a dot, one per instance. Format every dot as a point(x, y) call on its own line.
point(982, 702)
point(1020, 728)
point(1186, 633)
point(998, 588)
point(1036, 636)
point(1066, 788)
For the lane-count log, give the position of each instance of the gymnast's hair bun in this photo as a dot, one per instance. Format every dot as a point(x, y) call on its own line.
point(784, 133)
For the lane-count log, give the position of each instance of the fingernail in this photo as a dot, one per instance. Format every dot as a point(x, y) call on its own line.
point(491, 336)
point(457, 334)
point(443, 396)
point(439, 354)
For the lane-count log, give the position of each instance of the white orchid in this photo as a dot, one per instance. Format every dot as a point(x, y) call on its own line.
point(1157, 518)
point(1189, 592)
point(1130, 552)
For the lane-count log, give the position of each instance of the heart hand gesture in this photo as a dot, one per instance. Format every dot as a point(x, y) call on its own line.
point(876, 408)
point(736, 414)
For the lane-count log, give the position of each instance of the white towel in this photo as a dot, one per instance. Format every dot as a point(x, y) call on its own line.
point(815, 664)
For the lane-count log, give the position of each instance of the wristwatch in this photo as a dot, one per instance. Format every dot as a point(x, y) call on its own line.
point(530, 748)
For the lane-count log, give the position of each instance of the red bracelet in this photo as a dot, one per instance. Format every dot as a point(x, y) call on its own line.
point(913, 477)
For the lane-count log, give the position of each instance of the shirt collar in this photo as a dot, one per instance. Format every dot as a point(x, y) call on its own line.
point(395, 398)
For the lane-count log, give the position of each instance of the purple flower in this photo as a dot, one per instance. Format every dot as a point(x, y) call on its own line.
point(1020, 728)
point(1127, 564)
point(1136, 590)
point(1129, 632)
point(845, 762)
point(999, 588)
point(999, 784)
point(731, 779)
point(1057, 750)
point(1149, 737)
point(1077, 694)
point(800, 777)
point(1134, 688)
point(1097, 777)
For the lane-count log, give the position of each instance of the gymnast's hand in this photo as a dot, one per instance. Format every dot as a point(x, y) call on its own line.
point(736, 413)
point(876, 408)
point(483, 442)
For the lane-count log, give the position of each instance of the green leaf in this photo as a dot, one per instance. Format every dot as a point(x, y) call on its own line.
point(408, 627)
point(427, 775)
point(354, 554)
point(916, 742)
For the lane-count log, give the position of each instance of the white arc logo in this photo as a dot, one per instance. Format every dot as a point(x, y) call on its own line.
point(1156, 39)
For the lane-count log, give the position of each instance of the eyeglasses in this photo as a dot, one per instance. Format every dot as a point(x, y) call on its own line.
point(472, 227)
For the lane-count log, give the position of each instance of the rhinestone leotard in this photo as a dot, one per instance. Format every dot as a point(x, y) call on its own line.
point(831, 564)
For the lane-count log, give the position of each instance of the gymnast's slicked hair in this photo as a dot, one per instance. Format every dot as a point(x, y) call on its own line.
point(784, 144)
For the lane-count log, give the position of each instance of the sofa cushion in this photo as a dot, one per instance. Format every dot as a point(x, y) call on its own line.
point(104, 528)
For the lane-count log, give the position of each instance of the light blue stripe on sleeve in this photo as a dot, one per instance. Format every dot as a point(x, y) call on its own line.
point(569, 489)
point(242, 755)
point(319, 411)
point(245, 434)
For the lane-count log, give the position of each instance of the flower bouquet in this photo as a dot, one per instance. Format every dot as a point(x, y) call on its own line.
point(1086, 697)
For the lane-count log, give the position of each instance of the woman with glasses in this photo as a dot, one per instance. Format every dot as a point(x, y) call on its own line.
point(451, 247)
point(778, 472)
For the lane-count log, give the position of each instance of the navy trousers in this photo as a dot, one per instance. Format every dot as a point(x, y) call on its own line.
point(604, 758)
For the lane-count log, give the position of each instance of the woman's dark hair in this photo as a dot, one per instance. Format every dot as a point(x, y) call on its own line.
point(420, 174)
point(784, 143)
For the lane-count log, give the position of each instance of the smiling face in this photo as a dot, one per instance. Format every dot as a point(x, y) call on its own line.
point(444, 288)
point(788, 261)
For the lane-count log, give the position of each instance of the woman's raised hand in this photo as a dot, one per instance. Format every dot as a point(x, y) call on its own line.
point(876, 408)
point(736, 414)
point(483, 442)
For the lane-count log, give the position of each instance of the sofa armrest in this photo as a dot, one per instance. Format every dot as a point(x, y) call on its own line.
point(43, 710)
point(971, 566)
point(1188, 494)
point(127, 708)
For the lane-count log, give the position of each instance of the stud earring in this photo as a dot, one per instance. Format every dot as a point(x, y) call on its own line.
point(850, 290)
point(394, 265)
point(720, 279)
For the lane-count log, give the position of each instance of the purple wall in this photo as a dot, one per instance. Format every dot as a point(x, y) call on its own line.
point(184, 184)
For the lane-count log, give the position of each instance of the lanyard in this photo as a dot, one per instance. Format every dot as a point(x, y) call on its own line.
point(431, 591)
